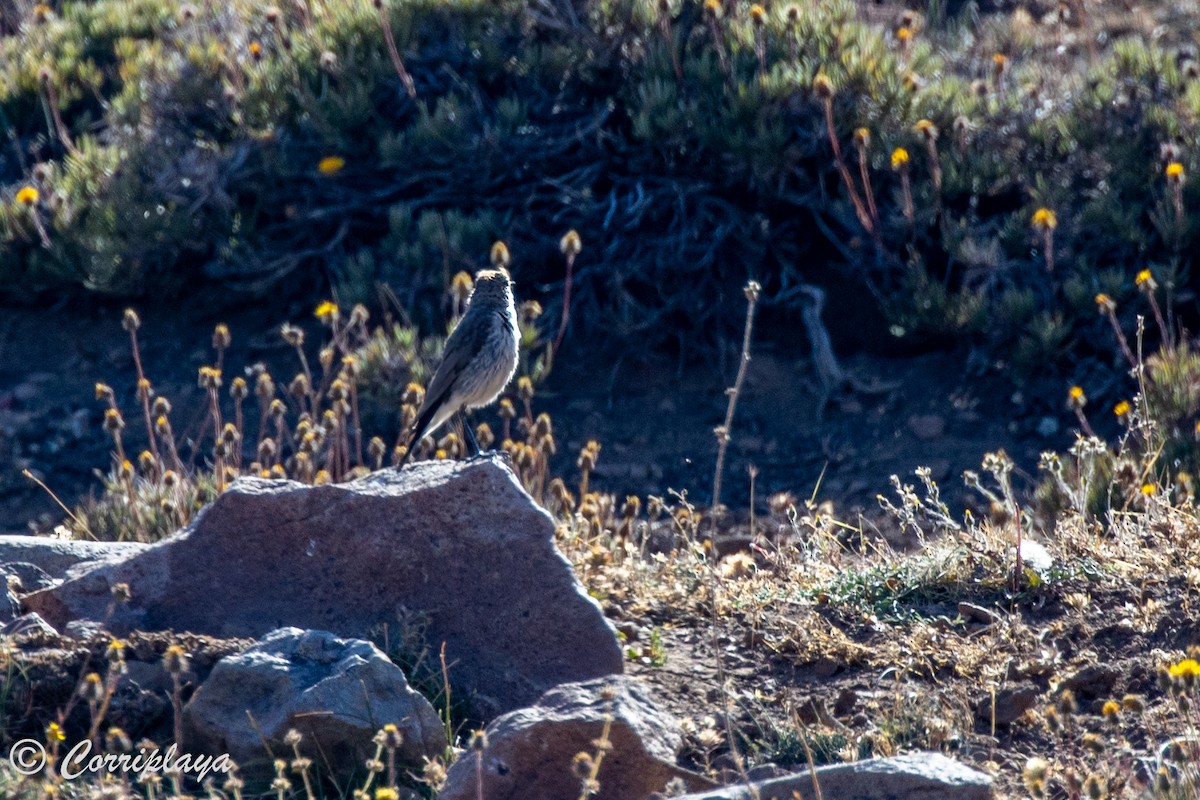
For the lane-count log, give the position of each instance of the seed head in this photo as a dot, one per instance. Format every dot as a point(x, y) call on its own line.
point(862, 137)
point(499, 255)
point(571, 244)
point(328, 60)
point(131, 321)
point(210, 378)
point(758, 15)
point(1105, 304)
point(239, 389)
point(478, 741)
point(461, 286)
point(525, 387)
point(1076, 399)
point(927, 130)
point(104, 392)
point(823, 86)
point(221, 337)
point(1145, 282)
point(113, 421)
point(582, 765)
point(292, 335)
point(712, 8)
point(175, 659)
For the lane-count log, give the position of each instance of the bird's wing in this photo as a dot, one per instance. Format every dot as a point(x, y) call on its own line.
point(461, 347)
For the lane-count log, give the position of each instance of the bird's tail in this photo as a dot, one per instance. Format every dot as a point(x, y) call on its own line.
point(419, 429)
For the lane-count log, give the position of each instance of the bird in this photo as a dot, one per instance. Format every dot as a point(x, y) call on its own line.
point(478, 360)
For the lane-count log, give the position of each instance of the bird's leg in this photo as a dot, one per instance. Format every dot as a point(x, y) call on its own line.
point(469, 433)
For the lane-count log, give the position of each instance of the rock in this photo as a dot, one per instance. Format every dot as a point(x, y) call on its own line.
point(916, 776)
point(529, 752)
point(1010, 705)
point(56, 557)
point(974, 613)
point(336, 692)
point(27, 624)
point(1092, 680)
point(456, 551)
point(29, 577)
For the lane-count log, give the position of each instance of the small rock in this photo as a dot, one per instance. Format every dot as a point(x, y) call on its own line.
point(972, 612)
point(1010, 705)
point(916, 776)
point(336, 692)
point(27, 624)
point(529, 752)
point(1093, 680)
point(927, 427)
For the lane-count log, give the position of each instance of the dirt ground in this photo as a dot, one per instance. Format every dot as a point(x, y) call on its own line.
point(654, 417)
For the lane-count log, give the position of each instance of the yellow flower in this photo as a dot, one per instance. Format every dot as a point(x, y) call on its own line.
point(1076, 398)
point(327, 311)
point(54, 733)
point(1111, 708)
point(823, 86)
point(758, 14)
point(1174, 171)
point(713, 7)
point(926, 128)
point(904, 34)
point(1143, 277)
point(386, 794)
point(331, 165)
point(256, 50)
point(1122, 408)
point(1044, 219)
point(1000, 61)
point(1104, 302)
point(862, 137)
point(27, 195)
point(1188, 668)
point(899, 158)
point(1149, 489)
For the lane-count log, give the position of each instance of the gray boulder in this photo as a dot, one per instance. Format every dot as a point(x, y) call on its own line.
point(55, 557)
point(336, 692)
point(916, 776)
point(456, 551)
point(529, 752)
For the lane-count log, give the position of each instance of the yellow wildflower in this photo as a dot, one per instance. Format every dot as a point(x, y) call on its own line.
point(1149, 489)
point(899, 158)
point(1122, 408)
point(54, 733)
point(1174, 171)
point(904, 35)
point(331, 165)
point(758, 14)
point(1188, 668)
point(1143, 277)
point(1044, 219)
point(1111, 708)
point(327, 311)
point(27, 195)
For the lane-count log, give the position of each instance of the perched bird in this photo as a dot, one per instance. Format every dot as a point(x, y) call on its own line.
point(478, 361)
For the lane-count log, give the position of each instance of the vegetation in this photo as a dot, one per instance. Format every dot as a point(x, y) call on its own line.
point(1010, 178)
point(979, 178)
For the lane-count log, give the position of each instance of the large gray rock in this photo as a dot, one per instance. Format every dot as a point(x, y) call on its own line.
point(336, 692)
point(458, 551)
point(916, 776)
point(529, 752)
point(56, 557)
